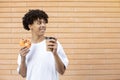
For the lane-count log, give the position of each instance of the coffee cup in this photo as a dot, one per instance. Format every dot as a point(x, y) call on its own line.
point(48, 41)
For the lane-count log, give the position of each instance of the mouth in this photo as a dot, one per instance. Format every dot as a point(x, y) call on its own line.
point(42, 30)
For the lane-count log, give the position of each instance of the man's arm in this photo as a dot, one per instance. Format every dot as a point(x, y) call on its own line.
point(59, 64)
point(23, 68)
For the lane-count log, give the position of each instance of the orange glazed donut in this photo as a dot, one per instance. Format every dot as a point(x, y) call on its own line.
point(25, 43)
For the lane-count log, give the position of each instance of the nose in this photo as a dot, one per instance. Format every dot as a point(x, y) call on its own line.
point(42, 25)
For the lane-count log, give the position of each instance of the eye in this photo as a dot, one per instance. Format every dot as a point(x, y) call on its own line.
point(38, 23)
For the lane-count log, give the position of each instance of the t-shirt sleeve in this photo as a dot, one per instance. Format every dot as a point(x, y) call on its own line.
point(62, 54)
point(18, 62)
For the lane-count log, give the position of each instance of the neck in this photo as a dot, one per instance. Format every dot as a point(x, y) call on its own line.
point(36, 39)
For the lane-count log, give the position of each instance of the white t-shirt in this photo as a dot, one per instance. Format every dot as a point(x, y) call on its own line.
point(41, 63)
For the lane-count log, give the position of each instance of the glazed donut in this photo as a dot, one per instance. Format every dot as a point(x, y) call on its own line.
point(25, 43)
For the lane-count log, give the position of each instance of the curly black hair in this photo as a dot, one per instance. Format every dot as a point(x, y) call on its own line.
point(33, 15)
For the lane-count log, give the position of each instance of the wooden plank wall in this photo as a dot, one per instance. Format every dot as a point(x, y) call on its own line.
point(89, 31)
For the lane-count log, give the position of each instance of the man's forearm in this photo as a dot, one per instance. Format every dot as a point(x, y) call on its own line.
point(23, 68)
point(59, 64)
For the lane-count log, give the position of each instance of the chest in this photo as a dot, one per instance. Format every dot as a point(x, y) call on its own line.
point(39, 56)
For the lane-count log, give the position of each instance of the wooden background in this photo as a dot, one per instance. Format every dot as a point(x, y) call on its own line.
point(89, 31)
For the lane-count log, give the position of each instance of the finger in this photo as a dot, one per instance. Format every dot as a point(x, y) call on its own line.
point(52, 43)
point(24, 51)
point(52, 40)
point(52, 46)
point(23, 48)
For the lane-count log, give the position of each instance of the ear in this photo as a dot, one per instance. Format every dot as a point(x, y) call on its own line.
point(30, 26)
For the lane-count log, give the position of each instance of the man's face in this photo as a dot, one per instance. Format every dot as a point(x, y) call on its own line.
point(38, 27)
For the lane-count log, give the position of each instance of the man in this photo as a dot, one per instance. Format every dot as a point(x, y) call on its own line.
point(36, 62)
